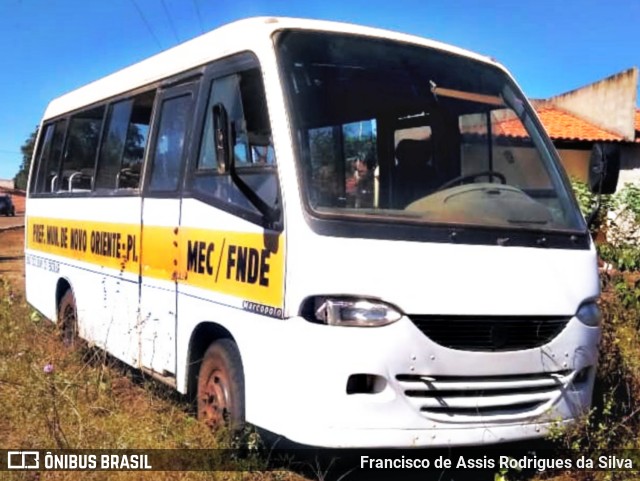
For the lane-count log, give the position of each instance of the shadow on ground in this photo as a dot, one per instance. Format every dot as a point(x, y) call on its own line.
point(444, 464)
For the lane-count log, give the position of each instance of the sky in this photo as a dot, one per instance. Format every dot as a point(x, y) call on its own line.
point(49, 47)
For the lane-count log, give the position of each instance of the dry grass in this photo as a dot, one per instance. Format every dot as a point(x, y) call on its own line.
point(89, 401)
point(11, 256)
point(613, 423)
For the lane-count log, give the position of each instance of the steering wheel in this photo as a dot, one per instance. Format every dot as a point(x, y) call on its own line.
point(462, 179)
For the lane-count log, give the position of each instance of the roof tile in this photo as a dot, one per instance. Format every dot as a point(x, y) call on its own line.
point(561, 125)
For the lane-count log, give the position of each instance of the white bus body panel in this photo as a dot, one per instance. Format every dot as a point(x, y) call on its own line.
point(313, 362)
point(198, 305)
point(158, 313)
point(106, 297)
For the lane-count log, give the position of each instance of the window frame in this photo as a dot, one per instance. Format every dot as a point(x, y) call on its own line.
point(130, 95)
point(37, 158)
point(200, 77)
point(235, 64)
point(338, 225)
point(105, 138)
point(65, 145)
point(173, 90)
point(107, 103)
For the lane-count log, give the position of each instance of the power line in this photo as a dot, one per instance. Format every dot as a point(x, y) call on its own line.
point(195, 4)
point(144, 19)
point(173, 28)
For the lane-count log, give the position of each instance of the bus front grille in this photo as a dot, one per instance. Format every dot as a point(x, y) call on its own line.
point(479, 333)
point(470, 399)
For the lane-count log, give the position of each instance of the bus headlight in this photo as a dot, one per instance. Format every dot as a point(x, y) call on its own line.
point(589, 314)
point(346, 311)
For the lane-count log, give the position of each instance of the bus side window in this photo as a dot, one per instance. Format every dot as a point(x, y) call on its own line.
point(46, 170)
point(244, 99)
point(41, 157)
point(81, 147)
point(124, 142)
point(169, 144)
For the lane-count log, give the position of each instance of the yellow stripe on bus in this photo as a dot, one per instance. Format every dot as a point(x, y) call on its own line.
point(106, 244)
point(246, 265)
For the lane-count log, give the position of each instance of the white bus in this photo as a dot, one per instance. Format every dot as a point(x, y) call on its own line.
point(346, 236)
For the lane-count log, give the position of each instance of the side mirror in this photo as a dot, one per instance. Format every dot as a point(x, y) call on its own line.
point(226, 163)
point(221, 137)
point(604, 168)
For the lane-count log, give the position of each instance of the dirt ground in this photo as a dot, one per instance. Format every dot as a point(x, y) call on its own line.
point(12, 256)
point(11, 221)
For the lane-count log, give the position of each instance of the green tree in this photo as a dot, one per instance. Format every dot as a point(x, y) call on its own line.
point(21, 178)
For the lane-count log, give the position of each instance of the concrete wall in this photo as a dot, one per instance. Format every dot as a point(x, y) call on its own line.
point(575, 162)
point(609, 103)
point(6, 184)
point(528, 171)
point(629, 165)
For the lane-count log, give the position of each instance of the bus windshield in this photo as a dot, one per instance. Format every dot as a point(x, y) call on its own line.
point(402, 133)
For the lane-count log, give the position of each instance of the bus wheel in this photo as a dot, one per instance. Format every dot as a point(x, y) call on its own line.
point(68, 319)
point(221, 387)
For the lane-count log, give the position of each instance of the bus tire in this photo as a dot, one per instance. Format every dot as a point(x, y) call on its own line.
point(68, 319)
point(221, 387)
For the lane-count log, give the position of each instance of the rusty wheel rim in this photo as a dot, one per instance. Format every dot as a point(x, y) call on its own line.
point(215, 400)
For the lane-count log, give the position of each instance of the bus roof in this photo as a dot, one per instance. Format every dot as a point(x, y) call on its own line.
point(248, 34)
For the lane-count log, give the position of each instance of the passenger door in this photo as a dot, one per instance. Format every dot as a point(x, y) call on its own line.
point(160, 228)
point(117, 198)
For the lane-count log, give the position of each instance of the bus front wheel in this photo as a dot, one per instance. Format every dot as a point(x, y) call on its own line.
point(221, 387)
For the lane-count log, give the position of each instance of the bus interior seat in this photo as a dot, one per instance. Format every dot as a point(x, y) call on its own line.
point(415, 175)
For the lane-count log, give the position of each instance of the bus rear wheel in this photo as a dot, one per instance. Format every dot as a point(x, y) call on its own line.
point(221, 387)
point(68, 319)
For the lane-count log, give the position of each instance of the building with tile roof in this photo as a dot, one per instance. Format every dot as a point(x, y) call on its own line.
point(603, 112)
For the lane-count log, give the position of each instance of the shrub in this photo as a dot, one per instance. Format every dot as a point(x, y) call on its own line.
point(617, 225)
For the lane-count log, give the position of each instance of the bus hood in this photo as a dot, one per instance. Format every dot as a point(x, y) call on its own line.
point(447, 279)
